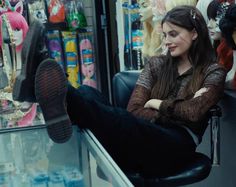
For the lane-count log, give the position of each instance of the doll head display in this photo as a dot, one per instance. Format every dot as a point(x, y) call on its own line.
point(145, 10)
point(202, 7)
point(227, 26)
point(150, 42)
point(215, 12)
point(18, 24)
point(22, 114)
point(173, 3)
point(158, 9)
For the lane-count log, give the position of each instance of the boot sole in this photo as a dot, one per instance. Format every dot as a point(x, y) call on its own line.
point(50, 92)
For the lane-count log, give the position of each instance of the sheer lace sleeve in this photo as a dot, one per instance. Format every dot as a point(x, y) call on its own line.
point(136, 103)
point(195, 109)
point(142, 91)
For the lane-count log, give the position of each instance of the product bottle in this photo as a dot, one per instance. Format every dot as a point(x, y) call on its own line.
point(137, 43)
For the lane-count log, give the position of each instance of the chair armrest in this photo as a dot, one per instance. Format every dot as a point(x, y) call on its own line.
point(123, 84)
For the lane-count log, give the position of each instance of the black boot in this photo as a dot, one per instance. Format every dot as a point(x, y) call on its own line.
point(50, 91)
point(34, 51)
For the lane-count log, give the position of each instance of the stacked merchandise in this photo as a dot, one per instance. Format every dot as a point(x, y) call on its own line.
point(133, 36)
point(69, 41)
point(13, 31)
point(68, 37)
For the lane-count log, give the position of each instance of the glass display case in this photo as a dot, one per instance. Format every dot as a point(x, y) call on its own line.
point(29, 159)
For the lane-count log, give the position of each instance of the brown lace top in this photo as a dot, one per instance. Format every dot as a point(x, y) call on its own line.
point(175, 110)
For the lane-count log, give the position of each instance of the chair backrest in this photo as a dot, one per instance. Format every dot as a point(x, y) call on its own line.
point(123, 85)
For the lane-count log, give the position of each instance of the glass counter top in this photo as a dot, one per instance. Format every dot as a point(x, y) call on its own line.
point(29, 159)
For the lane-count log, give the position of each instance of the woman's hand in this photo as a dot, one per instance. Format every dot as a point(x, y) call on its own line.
point(200, 92)
point(153, 103)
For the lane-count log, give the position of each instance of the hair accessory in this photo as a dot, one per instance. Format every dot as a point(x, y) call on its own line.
point(220, 14)
point(222, 10)
point(193, 14)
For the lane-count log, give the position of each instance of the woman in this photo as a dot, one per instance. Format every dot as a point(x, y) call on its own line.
point(167, 112)
point(151, 13)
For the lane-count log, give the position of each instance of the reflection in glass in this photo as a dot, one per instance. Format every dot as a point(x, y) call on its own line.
point(29, 159)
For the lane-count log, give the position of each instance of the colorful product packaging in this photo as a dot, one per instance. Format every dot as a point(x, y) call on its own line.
point(71, 57)
point(55, 47)
point(75, 15)
point(88, 66)
point(56, 11)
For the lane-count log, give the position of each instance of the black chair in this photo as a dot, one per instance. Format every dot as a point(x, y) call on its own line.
point(194, 171)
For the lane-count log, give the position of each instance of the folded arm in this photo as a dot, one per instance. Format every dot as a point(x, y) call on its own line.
point(137, 101)
point(189, 110)
point(195, 108)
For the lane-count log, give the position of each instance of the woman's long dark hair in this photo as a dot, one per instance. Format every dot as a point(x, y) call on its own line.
point(201, 53)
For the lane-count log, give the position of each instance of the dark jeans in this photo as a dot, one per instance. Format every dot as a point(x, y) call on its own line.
point(135, 144)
